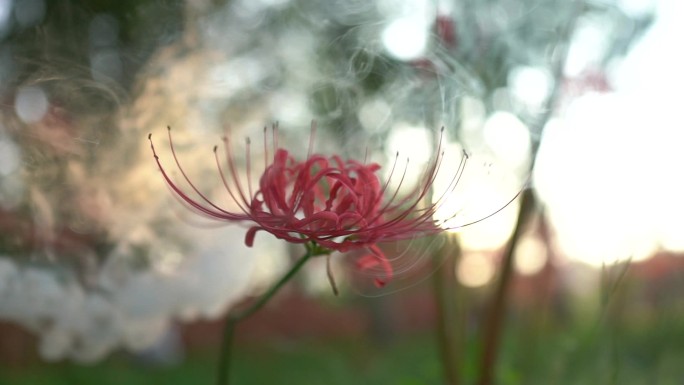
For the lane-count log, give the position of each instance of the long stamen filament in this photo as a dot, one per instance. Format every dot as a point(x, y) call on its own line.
point(226, 185)
point(233, 172)
point(248, 165)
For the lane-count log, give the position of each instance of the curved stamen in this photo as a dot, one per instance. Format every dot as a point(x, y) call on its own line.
point(248, 166)
point(265, 149)
point(312, 136)
point(233, 172)
point(225, 183)
point(220, 213)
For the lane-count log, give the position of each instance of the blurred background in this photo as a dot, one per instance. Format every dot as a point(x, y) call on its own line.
point(106, 278)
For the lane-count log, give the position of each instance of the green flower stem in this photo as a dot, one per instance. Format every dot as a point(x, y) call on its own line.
point(232, 319)
point(225, 356)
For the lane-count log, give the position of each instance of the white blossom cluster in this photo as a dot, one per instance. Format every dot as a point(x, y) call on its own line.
point(126, 307)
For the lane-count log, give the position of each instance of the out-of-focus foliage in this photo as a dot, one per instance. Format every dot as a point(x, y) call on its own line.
point(86, 221)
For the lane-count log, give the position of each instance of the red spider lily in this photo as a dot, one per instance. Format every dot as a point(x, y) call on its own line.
point(325, 201)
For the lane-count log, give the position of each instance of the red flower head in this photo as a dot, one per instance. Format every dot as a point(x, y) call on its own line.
point(324, 201)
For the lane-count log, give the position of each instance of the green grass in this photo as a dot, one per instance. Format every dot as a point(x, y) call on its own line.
point(341, 362)
point(621, 354)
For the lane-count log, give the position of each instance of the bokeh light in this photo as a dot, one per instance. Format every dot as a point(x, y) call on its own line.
point(411, 149)
point(96, 256)
point(31, 104)
point(9, 157)
point(406, 36)
point(475, 269)
point(531, 255)
point(531, 85)
point(29, 12)
point(508, 138)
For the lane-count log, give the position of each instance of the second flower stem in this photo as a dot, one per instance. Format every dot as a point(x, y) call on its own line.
point(491, 337)
point(449, 325)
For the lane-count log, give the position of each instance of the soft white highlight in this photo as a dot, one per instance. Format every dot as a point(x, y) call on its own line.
point(31, 104)
point(475, 270)
point(126, 307)
point(406, 36)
